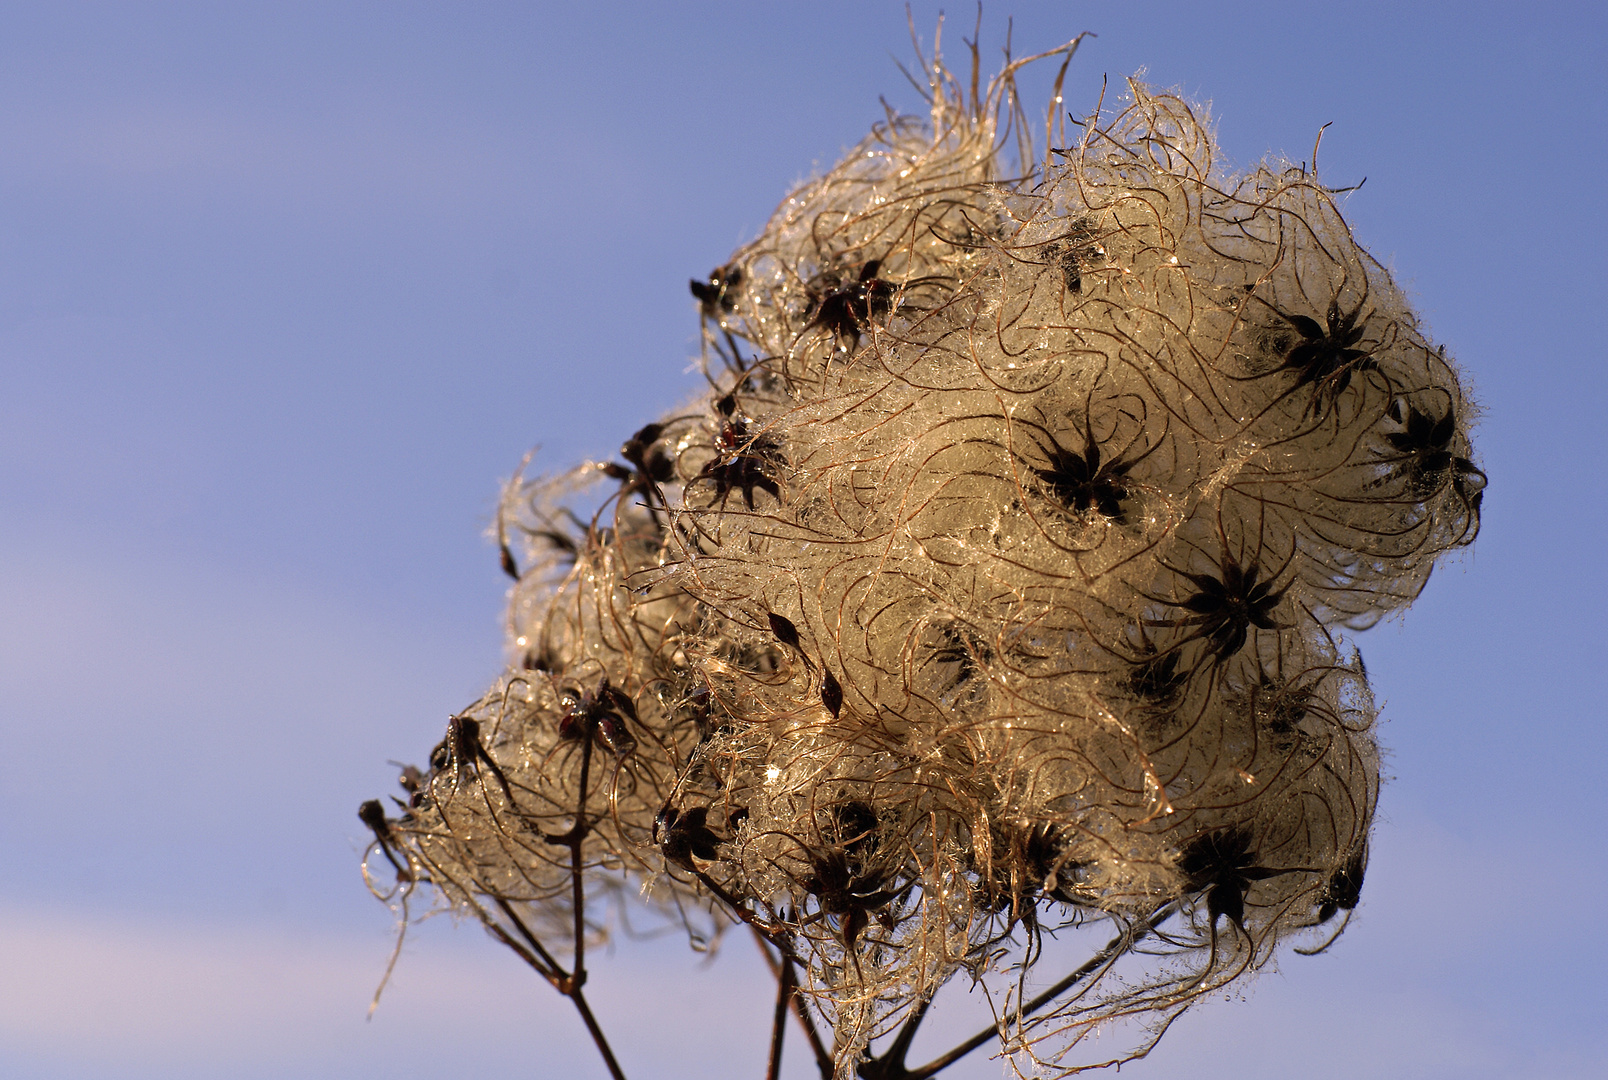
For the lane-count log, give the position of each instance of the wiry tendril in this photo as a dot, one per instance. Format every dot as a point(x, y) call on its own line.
point(990, 598)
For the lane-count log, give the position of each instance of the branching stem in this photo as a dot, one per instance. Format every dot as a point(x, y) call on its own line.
point(1114, 948)
point(568, 983)
point(801, 1010)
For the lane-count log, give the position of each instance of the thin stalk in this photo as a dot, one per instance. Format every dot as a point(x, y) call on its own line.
point(892, 1062)
point(801, 1011)
point(579, 999)
point(1114, 948)
point(784, 994)
point(553, 971)
point(568, 983)
point(578, 837)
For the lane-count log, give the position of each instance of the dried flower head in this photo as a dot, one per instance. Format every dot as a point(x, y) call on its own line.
point(990, 597)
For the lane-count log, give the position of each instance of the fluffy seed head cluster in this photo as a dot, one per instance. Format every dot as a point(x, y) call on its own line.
point(991, 594)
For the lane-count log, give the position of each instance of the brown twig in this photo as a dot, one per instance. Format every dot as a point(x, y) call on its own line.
point(801, 1010)
point(1114, 948)
point(597, 1033)
point(891, 1064)
point(785, 986)
point(568, 983)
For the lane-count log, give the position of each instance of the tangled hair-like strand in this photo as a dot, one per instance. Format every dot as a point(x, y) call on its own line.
point(989, 601)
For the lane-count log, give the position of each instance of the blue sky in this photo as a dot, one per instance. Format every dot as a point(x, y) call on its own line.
point(285, 292)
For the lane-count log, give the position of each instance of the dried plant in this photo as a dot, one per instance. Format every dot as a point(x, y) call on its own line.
point(988, 601)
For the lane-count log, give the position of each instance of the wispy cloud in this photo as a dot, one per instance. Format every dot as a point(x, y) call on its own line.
point(90, 994)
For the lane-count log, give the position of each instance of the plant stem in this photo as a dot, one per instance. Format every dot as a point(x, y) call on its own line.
point(784, 994)
point(1114, 948)
point(597, 1033)
point(823, 1059)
